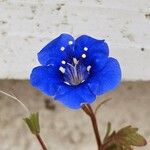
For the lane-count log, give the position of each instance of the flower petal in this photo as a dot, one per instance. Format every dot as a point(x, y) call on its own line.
point(98, 63)
point(74, 96)
point(106, 79)
point(46, 78)
point(90, 46)
point(57, 50)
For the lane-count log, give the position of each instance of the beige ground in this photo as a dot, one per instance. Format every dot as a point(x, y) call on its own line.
point(64, 129)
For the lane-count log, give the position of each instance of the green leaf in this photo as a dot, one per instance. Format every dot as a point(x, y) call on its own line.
point(114, 147)
point(107, 131)
point(125, 139)
point(33, 123)
point(129, 136)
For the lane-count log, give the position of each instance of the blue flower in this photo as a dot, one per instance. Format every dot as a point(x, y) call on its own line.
point(75, 71)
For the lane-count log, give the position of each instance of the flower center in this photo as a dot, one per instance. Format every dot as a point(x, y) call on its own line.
point(75, 73)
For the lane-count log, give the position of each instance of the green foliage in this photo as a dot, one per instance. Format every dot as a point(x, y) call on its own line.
point(107, 131)
point(124, 139)
point(33, 123)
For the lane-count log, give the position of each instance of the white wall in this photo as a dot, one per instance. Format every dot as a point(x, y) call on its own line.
point(27, 25)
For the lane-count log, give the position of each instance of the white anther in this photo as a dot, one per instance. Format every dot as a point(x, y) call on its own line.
point(82, 81)
point(85, 48)
point(83, 56)
point(88, 68)
point(62, 48)
point(67, 83)
point(70, 42)
point(63, 62)
point(75, 61)
point(62, 69)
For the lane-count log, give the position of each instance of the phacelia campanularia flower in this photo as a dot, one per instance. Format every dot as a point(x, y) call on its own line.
point(75, 71)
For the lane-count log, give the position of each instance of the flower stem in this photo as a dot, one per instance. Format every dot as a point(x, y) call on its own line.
point(89, 111)
point(41, 142)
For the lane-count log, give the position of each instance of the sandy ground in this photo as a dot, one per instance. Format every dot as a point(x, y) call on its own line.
point(64, 129)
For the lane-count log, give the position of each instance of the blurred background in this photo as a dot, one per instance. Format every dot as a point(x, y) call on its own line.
point(28, 25)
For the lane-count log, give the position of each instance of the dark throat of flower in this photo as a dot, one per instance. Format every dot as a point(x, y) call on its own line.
point(75, 73)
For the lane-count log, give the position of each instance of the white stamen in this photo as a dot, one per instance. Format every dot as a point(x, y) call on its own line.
point(75, 61)
point(85, 48)
point(67, 83)
point(83, 56)
point(82, 81)
point(62, 69)
point(70, 42)
point(88, 68)
point(62, 48)
point(63, 62)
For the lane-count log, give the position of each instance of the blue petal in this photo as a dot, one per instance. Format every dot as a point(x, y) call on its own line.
point(95, 47)
point(46, 78)
point(52, 53)
point(74, 96)
point(98, 63)
point(106, 79)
